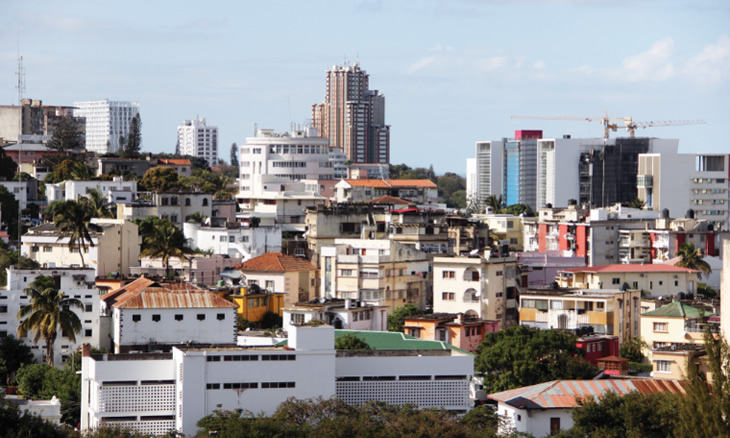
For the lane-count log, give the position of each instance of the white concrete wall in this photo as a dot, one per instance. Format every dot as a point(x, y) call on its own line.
point(533, 422)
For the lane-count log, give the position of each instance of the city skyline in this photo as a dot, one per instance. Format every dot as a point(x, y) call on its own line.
point(452, 74)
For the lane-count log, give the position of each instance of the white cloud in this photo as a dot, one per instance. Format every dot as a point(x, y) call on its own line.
point(539, 65)
point(420, 64)
point(712, 64)
point(652, 65)
point(492, 64)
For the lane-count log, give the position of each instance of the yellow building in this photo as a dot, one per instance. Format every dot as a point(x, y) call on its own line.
point(277, 272)
point(505, 228)
point(673, 333)
point(253, 303)
point(608, 312)
point(656, 279)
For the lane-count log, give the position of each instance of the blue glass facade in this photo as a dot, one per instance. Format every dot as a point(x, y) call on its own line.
point(511, 186)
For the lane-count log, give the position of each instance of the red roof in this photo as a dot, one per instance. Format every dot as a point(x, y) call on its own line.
point(618, 268)
point(377, 183)
point(175, 161)
point(276, 262)
point(561, 394)
point(144, 293)
point(391, 183)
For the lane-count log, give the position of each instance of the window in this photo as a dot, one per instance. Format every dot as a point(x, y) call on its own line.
point(201, 317)
point(213, 386)
point(136, 318)
point(448, 296)
point(664, 366)
point(345, 272)
point(88, 307)
point(87, 333)
point(554, 425)
point(269, 284)
point(448, 274)
point(156, 318)
point(660, 326)
point(3, 309)
point(615, 280)
point(221, 316)
point(178, 317)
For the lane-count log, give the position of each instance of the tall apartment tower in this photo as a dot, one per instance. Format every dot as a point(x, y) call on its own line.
point(106, 121)
point(197, 139)
point(352, 117)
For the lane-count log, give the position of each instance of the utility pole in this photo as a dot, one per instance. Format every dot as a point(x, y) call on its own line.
point(21, 89)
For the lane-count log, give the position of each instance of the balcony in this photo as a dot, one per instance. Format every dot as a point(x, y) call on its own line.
point(644, 181)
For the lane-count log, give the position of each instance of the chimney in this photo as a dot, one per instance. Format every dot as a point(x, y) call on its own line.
point(460, 318)
point(86, 350)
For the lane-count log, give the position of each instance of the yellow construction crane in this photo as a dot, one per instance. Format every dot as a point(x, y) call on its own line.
point(623, 122)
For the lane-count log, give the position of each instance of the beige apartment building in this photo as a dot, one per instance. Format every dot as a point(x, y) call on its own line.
point(655, 279)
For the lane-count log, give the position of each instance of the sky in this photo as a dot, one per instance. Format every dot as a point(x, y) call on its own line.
point(452, 72)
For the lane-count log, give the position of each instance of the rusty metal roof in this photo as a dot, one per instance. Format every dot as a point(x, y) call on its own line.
point(144, 293)
point(561, 394)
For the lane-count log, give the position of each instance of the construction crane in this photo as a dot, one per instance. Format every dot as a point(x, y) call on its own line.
point(609, 123)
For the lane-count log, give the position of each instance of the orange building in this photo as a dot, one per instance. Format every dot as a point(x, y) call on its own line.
point(456, 329)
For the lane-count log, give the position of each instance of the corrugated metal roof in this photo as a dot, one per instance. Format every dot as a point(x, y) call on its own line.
point(676, 309)
point(144, 293)
point(276, 262)
point(561, 394)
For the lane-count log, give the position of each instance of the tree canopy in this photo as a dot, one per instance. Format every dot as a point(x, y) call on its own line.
point(160, 179)
point(164, 240)
point(691, 258)
point(66, 137)
point(396, 318)
point(133, 142)
point(351, 341)
point(234, 155)
point(13, 355)
point(522, 356)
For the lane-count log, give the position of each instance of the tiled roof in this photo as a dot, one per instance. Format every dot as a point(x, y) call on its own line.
point(175, 161)
point(561, 394)
point(676, 309)
point(377, 183)
point(616, 268)
point(144, 293)
point(276, 262)
point(412, 183)
point(387, 199)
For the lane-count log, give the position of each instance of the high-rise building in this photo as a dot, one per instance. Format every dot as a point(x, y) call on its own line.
point(32, 121)
point(352, 117)
point(106, 121)
point(197, 139)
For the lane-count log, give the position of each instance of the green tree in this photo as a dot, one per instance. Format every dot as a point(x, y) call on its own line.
point(633, 349)
point(351, 341)
point(49, 309)
point(66, 137)
point(42, 381)
point(98, 204)
point(17, 424)
point(234, 155)
point(163, 241)
point(395, 319)
point(8, 168)
point(133, 144)
point(496, 203)
point(635, 203)
point(458, 199)
point(271, 320)
point(73, 221)
point(13, 355)
point(522, 356)
point(160, 179)
point(705, 409)
point(691, 258)
point(632, 415)
point(196, 218)
point(9, 212)
point(518, 209)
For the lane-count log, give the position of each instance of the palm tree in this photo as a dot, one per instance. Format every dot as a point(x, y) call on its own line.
point(48, 310)
point(98, 204)
point(496, 202)
point(692, 258)
point(72, 220)
point(196, 218)
point(165, 240)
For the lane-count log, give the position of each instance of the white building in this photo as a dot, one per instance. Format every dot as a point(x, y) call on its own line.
point(75, 283)
point(545, 409)
point(115, 247)
point(204, 269)
point(197, 139)
point(24, 191)
point(341, 314)
point(148, 315)
point(471, 181)
point(176, 207)
point(117, 190)
point(485, 287)
point(301, 155)
point(242, 242)
point(156, 393)
point(106, 121)
point(680, 182)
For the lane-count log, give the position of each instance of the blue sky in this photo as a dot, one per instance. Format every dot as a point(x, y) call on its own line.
point(453, 72)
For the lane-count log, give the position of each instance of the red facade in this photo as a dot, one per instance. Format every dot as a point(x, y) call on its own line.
point(598, 347)
point(528, 134)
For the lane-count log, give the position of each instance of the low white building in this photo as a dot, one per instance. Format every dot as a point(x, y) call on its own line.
point(176, 207)
point(201, 269)
point(152, 316)
point(154, 393)
point(25, 192)
point(243, 242)
point(117, 190)
point(545, 409)
point(49, 410)
point(75, 283)
point(341, 314)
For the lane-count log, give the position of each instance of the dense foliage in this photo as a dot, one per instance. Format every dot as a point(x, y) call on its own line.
point(334, 418)
point(351, 341)
point(633, 349)
point(522, 356)
point(396, 318)
point(13, 355)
